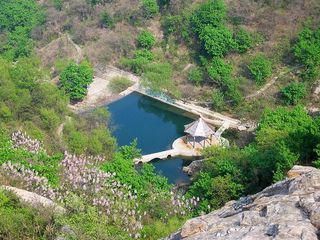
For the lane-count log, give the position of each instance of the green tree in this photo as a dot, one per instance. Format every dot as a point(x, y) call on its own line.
point(217, 41)
point(219, 70)
point(146, 39)
point(150, 8)
point(75, 79)
point(293, 93)
point(307, 52)
point(260, 69)
point(212, 13)
point(20, 13)
point(243, 40)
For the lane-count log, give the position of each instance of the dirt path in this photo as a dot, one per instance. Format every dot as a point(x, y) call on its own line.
point(268, 85)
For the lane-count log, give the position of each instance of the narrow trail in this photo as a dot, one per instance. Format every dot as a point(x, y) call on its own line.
point(76, 46)
point(271, 82)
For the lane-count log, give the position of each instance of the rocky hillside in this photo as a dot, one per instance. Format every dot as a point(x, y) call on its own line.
point(289, 209)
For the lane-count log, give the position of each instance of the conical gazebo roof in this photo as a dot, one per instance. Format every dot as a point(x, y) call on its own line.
point(198, 128)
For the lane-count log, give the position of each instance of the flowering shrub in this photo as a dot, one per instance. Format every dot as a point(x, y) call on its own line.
point(124, 197)
point(22, 140)
point(17, 174)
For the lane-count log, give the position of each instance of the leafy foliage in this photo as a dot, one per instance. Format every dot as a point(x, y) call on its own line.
point(307, 52)
point(18, 221)
point(285, 137)
point(75, 79)
point(150, 8)
point(17, 19)
point(195, 76)
point(243, 40)
point(146, 39)
point(260, 69)
point(293, 93)
point(211, 13)
point(217, 41)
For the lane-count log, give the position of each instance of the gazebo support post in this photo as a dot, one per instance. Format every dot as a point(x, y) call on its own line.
point(194, 141)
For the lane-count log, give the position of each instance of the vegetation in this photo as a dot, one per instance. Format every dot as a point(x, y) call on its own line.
point(146, 40)
point(293, 93)
point(75, 79)
point(106, 20)
point(150, 8)
point(195, 76)
point(19, 221)
point(307, 52)
point(74, 160)
point(285, 137)
point(119, 84)
point(260, 69)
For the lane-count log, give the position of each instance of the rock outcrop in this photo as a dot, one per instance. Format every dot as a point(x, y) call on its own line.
point(34, 200)
point(289, 209)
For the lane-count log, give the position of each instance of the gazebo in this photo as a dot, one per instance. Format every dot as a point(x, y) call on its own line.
point(199, 132)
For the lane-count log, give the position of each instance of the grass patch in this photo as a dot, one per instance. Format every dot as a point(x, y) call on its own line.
point(119, 84)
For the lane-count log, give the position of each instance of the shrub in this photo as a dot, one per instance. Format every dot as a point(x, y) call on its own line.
point(307, 51)
point(106, 20)
point(141, 58)
point(217, 100)
point(244, 40)
point(293, 93)
point(260, 68)
point(211, 13)
point(74, 80)
point(119, 84)
point(20, 13)
point(19, 221)
point(217, 41)
point(144, 53)
point(219, 70)
point(146, 39)
point(150, 8)
point(195, 76)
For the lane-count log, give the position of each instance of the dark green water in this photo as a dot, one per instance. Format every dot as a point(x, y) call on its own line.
point(154, 126)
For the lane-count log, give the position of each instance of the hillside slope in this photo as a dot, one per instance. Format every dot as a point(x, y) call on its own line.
point(289, 209)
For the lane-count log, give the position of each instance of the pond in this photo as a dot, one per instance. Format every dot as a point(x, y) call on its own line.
point(155, 125)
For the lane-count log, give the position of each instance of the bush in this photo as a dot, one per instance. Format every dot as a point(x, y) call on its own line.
point(106, 20)
point(307, 52)
point(144, 53)
point(19, 221)
point(150, 8)
point(219, 70)
point(217, 100)
point(195, 76)
point(119, 84)
point(20, 13)
point(75, 79)
point(211, 13)
point(244, 40)
point(217, 41)
point(141, 59)
point(293, 93)
point(260, 68)
point(146, 39)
